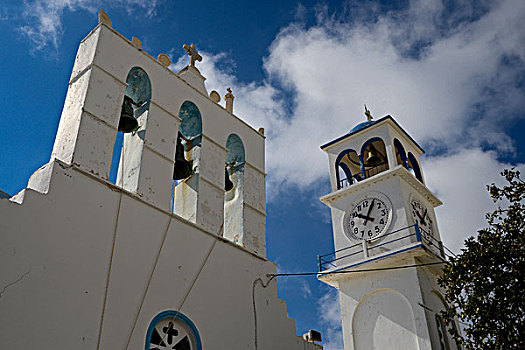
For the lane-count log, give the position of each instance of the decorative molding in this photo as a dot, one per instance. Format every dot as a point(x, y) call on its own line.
point(399, 171)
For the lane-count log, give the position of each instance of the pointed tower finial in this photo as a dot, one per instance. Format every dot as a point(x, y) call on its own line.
point(368, 114)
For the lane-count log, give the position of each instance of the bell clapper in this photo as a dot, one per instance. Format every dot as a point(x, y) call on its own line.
point(228, 183)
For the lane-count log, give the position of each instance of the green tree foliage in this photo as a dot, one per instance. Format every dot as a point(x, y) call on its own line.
point(485, 283)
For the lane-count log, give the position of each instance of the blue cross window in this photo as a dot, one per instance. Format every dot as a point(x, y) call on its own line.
point(172, 330)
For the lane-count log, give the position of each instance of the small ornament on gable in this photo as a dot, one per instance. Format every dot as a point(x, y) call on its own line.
point(229, 100)
point(164, 60)
point(104, 19)
point(136, 43)
point(215, 97)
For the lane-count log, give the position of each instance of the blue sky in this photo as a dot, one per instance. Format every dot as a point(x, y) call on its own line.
point(451, 73)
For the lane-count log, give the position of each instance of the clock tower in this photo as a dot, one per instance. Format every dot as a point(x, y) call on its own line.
point(384, 225)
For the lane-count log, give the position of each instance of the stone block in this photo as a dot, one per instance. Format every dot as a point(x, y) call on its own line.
point(94, 146)
point(254, 188)
point(66, 138)
point(86, 53)
point(213, 158)
point(210, 207)
point(155, 179)
point(161, 131)
point(104, 96)
point(254, 231)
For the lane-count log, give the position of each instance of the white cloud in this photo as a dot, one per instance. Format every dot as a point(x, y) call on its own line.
point(44, 17)
point(454, 96)
point(334, 68)
point(460, 181)
point(330, 316)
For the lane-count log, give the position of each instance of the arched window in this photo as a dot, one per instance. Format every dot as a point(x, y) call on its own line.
point(234, 190)
point(412, 164)
point(172, 330)
point(373, 157)
point(442, 333)
point(436, 304)
point(347, 168)
point(401, 156)
point(188, 155)
point(129, 143)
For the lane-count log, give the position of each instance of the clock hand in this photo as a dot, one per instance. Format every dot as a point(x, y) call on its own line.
point(365, 217)
point(423, 218)
point(368, 213)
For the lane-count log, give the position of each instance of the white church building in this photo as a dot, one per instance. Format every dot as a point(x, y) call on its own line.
point(172, 253)
point(147, 262)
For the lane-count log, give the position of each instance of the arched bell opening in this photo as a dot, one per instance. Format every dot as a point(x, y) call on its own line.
point(401, 157)
point(347, 168)
point(131, 130)
point(234, 189)
point(414, 167)
point(187, 161)
point(373, 157)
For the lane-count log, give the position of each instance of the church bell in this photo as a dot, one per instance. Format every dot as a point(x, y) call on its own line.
point(127, 123)
point(182, 167)
point(228, 184)
point(372, 157)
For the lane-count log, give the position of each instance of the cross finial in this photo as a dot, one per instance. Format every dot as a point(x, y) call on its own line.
point(368, 114)
point(193, 53)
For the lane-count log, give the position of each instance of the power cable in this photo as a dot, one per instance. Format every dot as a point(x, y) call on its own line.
point(149, 281)
point(113, 243)
point(299, 274)
point(264, 285)
point(353, 271)
point(174, 317)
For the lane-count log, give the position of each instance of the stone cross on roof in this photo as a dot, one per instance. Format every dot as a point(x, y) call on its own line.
point(193, 53)
point(368, 114)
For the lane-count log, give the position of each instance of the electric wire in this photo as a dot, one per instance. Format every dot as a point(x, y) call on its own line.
point(112, 246)
point(174, 317)
point(272, 276)
point(353, 271)
point(149, 281)
point(264, 285)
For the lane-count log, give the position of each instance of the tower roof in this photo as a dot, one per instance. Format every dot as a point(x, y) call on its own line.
point(367, 124)
point(361, 126)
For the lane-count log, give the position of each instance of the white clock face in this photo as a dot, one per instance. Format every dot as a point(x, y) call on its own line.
point(421, 214)
point(368, 218)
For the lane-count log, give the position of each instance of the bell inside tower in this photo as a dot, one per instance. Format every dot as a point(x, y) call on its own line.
point(234, 190)
point(374, 159)
point(131, 130)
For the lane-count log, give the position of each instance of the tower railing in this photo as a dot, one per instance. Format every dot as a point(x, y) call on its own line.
point(414, 233)
point(368, 172)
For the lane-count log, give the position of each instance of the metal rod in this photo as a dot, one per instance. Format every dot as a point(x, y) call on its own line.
point(365, 249)
point(418, 234)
